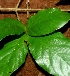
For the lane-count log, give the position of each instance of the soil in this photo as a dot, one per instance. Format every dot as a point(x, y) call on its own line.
point(30, 68)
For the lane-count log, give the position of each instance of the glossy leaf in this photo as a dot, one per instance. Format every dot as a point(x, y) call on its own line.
point(12, 56)
point(9, 26)
point(52, 53)
point(47, 21)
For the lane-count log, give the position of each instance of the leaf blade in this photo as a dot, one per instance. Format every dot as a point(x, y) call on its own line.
point(41, 23)
point(52, 53)
point(9, 26)
point(12, 56)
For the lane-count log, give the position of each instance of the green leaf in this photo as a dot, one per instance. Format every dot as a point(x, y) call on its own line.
point(52, 53)
point(9, 26)
point(12, 56)
point(47, 21)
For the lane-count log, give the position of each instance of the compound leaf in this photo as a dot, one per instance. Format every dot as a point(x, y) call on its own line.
point(47, 21)
point(9, 26)
point(12, 56)
point(52, 53)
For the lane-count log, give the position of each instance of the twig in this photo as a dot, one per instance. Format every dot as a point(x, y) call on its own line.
point(18, 3)
point(65, 9)
point(27, 3)
point(17, 8)
point(20, 9)
point(17, 15)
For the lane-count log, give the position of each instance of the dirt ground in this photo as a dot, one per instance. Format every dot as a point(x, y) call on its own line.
point(30, 68)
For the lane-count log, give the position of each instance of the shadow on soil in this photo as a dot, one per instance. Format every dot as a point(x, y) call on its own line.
point(63, 2)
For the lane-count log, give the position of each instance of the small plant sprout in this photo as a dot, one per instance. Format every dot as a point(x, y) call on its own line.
point(48, 46)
